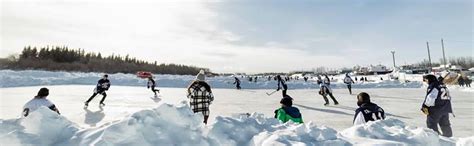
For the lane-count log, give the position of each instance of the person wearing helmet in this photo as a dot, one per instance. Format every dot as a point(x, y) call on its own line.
point(102, 86)
point(38, 101)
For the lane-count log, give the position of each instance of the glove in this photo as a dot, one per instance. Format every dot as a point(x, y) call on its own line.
point(424, 109)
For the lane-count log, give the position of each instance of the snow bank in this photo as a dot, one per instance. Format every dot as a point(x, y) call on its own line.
point(10, 78)
point(41, 127)
point(393, 132)
point(177, 125)
point(468, 141)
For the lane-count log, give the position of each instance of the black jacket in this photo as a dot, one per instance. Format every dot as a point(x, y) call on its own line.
point(370, 111)
point(103, 84)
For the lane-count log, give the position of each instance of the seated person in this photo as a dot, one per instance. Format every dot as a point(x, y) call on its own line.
point(287, 112)
point(367, 110)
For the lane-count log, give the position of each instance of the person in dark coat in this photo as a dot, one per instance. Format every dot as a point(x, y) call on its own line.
point(152, 84)
point(367, 110)
point(468, 82)
point(325, 91)
point(461, 81)
point(281, 84)
point(102, 86)
point(437, 106)
point(237, 83)
point(200, 96)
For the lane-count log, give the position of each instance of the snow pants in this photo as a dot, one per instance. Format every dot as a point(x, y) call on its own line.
point(435, 119)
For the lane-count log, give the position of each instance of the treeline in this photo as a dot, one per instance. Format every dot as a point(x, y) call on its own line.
point(65, 59)
point(465, 62)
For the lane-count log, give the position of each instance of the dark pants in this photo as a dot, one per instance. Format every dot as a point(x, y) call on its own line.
point(433, 120)
point(154, 90)
point(326, 92)
point(95, 94)
point(349, 86)
point(238, 86)
point(283, 92)
point(332, 97)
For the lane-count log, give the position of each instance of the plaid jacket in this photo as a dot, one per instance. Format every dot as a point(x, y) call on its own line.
point(200, 97)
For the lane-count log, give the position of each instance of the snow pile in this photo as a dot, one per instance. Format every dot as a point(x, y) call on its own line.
point(177, 125)
point(41, 127)
point(258, 130)
point(393, 132)
point(10, 78)
point(469, 141)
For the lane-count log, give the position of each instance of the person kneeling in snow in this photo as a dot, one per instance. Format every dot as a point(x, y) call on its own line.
point(200, 95)
point(287, 111)
point(367, 110)
point(38, 101)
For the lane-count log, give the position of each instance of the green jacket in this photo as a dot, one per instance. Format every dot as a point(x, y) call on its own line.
point(289, 113)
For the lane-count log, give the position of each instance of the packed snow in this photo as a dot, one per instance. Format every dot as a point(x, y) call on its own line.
point(177, 125)
point(132, 116)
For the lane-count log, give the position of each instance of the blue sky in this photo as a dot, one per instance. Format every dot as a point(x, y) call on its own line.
point(246, 35)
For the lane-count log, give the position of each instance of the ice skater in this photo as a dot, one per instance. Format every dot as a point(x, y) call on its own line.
point(348, 80)
point(237, 83)
point(152, 84)
point(38, 101)
point(200, 96)
point(281, 84)
point(102, 86)
point(437, 106)
point(324, 91)
point(367, 110)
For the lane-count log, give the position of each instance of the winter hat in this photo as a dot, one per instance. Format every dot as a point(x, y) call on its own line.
point(430, 78)
point(287, 100)
point(43, 92)
point(201, 76)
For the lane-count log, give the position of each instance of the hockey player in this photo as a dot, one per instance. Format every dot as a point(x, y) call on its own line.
point(348, 81)
point(38, 101)
point(281, 84)
point(237, 83)
point(152, 84)
point(367, 110)
point(102, 86)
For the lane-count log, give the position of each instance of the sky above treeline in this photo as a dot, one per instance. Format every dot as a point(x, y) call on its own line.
point(246, 35)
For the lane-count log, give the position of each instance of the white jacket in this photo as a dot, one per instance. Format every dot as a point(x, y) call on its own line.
point(431, 97)
point(35, 103)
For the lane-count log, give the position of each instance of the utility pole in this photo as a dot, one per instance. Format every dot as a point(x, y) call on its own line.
point(393, 57)
point(444, 56)
point(429, 56)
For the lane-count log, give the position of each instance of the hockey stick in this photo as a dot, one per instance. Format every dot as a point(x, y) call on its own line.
point(271, 92)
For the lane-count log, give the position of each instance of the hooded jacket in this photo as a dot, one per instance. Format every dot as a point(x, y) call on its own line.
point(285, 114)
